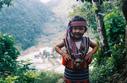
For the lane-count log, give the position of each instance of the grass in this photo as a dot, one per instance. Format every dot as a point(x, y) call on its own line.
point(48, 77)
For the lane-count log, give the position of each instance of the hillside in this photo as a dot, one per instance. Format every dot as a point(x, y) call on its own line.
point(29, 21)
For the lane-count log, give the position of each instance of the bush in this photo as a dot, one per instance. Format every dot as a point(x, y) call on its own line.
point(101, 72)
point(48, 77)
point(8, 55)
point(33, 76)
point(105, 67)
point(115, 29)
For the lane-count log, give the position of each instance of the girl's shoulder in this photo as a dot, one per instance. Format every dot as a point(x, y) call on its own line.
point(86, 38)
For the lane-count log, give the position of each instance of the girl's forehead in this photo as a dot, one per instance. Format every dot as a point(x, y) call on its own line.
point(77, 23)
point(78, 27)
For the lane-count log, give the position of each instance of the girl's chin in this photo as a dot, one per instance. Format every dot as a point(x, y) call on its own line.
point(76, 37)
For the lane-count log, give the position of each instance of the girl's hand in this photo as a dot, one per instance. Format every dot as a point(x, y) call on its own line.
point(88, 57)
point(66, 57)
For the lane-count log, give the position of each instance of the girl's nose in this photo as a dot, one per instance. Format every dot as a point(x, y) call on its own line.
point(77, 30)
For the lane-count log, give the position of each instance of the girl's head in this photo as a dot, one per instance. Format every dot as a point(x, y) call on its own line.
point(77, 27)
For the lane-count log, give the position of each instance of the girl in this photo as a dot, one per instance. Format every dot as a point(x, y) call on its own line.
point(76, 59)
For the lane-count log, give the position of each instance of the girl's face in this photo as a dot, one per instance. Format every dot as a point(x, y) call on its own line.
point(78, 31)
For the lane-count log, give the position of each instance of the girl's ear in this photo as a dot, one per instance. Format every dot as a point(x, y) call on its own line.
point(69, 23)
point(85, 28)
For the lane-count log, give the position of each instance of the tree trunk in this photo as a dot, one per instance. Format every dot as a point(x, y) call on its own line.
point(101, 29)
point(124, 9)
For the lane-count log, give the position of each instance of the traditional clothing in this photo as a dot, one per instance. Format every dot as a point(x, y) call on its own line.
point(76, 76)
point(76, 69)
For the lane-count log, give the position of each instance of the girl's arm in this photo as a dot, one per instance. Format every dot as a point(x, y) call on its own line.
point(61, 52)
point(58, 48)
point(89, 55)
point(94, 47)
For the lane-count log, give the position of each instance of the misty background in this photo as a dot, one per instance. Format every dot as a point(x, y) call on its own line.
point(35, 22)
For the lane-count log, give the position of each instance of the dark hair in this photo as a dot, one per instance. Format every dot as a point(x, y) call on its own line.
point(77, 18)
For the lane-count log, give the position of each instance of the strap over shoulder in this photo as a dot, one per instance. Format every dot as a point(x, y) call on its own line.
point(86, 44)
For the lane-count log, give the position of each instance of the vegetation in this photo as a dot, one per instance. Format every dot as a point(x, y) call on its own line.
point(32, 77)
point(4, 2)
point(8, 55)
point(27, 21)
point(114, 24)
point(12, 71)
point(26, 28)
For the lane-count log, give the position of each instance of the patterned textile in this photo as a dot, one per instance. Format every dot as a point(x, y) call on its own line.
point(76, 76)
point(71, 65)
point(73, 51)
point(77, 81)
point(76, 72)
point(71, 46)
point(78, 23)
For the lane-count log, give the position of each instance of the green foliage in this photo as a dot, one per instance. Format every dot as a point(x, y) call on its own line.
point(12, 71)
point(49, 77)
point(32, 74)
point(8, 54)
point(100, 1)
point(29, 76)
point(22, 67)
point(87, 12)
point(26, 26)
point(115, 28)
point(32, 77)
point(30, 22)
point(4, 2)
point(39, 77)
point(8, 79)
point(100, 73)
point(106, 66)
point(98, 57)
point(118, 53)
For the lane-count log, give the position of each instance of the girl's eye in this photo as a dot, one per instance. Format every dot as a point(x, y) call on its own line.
point(78, 28)
point(81, 28)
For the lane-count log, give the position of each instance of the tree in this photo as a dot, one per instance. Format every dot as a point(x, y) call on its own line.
point(124, 9)
point(4, 2)
point(100, 26)
point(8, 55)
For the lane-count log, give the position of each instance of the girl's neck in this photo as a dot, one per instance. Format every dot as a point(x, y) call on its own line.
point(76, 40)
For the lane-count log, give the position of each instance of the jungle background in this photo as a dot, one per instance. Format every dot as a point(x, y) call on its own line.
point(29, 30)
